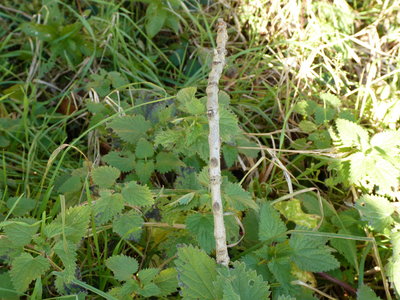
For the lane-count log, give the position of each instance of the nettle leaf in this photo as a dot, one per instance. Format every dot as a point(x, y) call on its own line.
point(20, 231)
point(26, 268)
point(352, 135)
point(156, 16)
point(230, 155)
point(311, 254)
point(228, 123)
point(147, 275)
point(360, 165)
point(393, 267)
point(7, 290)
point(331, 99)
point(128, 226)
point(186, 95)
point(75, 226)
point(23, 205)
point(292, 211)
point(144, 169)
point(71, 185)
point(241, 283)
point(388, 142)
point(123, 160)
point(66, 251)
point(307, 126)
point(376, 210)
point(237, 198)
point(137, 195)
point(144, 149)
point(169, 138)
point(324, 114)
point(130, 128)
point(347, 248)
point(196, 273)
point(107, 206)
point(122, 266)
point(105, 176)
point(365, 292)
point(167, 162)
point(202, 226)
point(271, 225)
point(167, 281)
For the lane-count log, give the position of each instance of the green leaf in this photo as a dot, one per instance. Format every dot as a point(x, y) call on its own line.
point(366, 293)
point(230, 155)
point(130, 128)
point(229, 127)
point(144, 169)
point(237, 198)
point(167, 281)
point(45, 33)
point(66, 251)
point(347, 248)
point(7, 290)
point(360, 165)
point(149, 290)
point(155, 18)
point(105, 176)
point(186, 95)
point(376, 210)
point(352, 135)
point(20, 231)
point(292, 211)
point(117, 79)
point(144, 149)
point(23, 206)
point(311, 254)
point(25, 269)
point(240, 281)
point(75, 225)
point(123, 161)
point(122, 266)
point(196, 272)
point(393, 267)
point(172, 21)
point(307, 126)
point(331, 99)
point(167, 162)
point(128, 226)
point(137, 195)
point(271, 226)
point(202, 227)
point(72, 184)
point(107, 206)
point(147, 275)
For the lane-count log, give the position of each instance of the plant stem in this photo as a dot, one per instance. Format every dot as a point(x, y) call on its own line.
point(215, 144)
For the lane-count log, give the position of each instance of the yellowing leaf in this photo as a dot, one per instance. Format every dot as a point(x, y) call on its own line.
point(292, 211)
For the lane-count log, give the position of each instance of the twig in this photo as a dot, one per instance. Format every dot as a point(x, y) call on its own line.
point(215, 144)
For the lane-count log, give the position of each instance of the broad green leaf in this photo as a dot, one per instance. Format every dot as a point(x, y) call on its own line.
point(155, 18)
point(388, 142)
point(360, 165)
point(144, 169)
point(283, 297)
point(352, 135)
point(366, 293)
point(271, 226)
point(196, 272)
point(228, 125)
point(393, 267)
point(237, 198)
point(23, 205)
point(331, 99)
point(105, 176)
point(75, 226)
point(149, 290)
point(130, 128)
point(128, 226)
point(137, 195)
point(147, 275)
point(26, 268)
point(202, 227)
point(167, 281)
point(107, 206)
point(186, 95)
point(172, 21)
point(45, 33)
point(66, 251)
point(123, 161)
point(166, 162)
point(144, 149)
point(324, 114)
point(376, 210)
point(7, 290)
point(307, 126)
point(169, 138)
point(240, 281)
point(292, 211)
point(122, 266)
point(230, 155)
point(117, 79)
point(72, 184)
point(347, 248)
point(20, 231)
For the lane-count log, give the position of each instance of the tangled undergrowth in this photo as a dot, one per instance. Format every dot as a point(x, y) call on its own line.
point(104, 151)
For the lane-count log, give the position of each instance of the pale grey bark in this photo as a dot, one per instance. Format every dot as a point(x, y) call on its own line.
point(215, 144)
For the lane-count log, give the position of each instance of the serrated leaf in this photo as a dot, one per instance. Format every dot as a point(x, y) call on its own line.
point(26, 268)
point(147, 275)
point(196, 272)
point(20, 231)
point(186, 95)
point(66, 251)
point(237, 198)
point(307, 126)
point(230, 155)
point(128, 226)
point(144, 149)
point(155, 18)
point(75, 226)
point(168, 138)
point(166, 162)
point(292, 211)
point(324, 114)
point(376, 210)
point(352, 135)
point(202, 227)
point(228, 123)
point(122, 266)
point(331, 99)
point(149, 290)
point(23, 206)
point(137, 195)
point(393, 267)
point(72, 184)
point(7, 290)
point(366, 293)
point(144, 169)
point(347, 248)
point(240, 281)
point(360, 164)
point(107, 206)
point(167, 281)
point(123, 160)
point(311, 254)
point(130, 128)
point(105, 176)
point(271, 226)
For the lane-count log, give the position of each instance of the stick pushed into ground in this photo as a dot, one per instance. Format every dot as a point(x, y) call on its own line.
point(215, 144)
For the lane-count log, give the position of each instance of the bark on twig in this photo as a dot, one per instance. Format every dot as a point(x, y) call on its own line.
point(215, 144)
